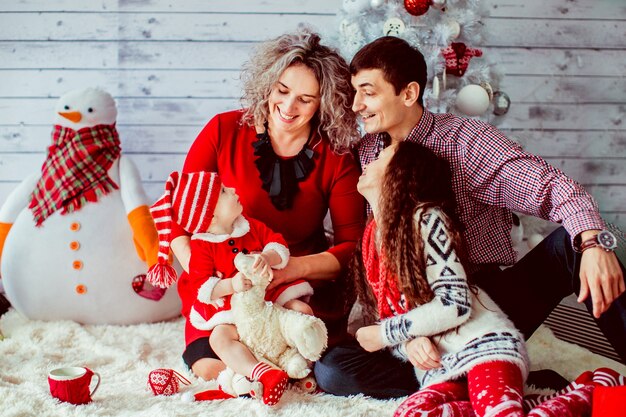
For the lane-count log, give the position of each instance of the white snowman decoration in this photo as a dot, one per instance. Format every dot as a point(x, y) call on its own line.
point(79, 235)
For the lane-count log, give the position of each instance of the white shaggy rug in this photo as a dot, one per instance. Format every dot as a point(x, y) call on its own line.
point(124, 355)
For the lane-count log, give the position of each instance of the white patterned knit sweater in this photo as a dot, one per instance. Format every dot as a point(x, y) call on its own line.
point(468, 329)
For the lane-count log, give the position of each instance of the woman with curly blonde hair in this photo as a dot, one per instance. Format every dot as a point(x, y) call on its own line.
point(334, 118)
point(287, 156)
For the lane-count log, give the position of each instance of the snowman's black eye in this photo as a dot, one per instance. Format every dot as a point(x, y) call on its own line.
point(66, 107)
point(90, 110)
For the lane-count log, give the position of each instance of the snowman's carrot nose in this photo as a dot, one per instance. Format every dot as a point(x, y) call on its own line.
point(74, 116)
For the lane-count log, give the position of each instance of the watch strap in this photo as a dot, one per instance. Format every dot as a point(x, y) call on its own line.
point(592, 242)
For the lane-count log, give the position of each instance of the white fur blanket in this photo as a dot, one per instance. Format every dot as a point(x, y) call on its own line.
point(124, 355)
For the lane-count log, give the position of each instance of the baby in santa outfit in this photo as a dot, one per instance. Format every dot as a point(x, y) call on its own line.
point(212, 214)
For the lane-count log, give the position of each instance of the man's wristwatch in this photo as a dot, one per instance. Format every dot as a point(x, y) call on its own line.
point(604, 239)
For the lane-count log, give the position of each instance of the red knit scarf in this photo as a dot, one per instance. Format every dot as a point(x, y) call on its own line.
point(384, 284)
point(75, 170)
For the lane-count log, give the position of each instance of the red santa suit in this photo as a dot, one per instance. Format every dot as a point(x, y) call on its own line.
point(210, 254)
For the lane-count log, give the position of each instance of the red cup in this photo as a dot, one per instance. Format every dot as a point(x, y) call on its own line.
point(72, 384)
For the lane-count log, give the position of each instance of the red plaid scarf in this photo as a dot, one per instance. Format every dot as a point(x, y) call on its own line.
point(75, 170)
point(383, 283)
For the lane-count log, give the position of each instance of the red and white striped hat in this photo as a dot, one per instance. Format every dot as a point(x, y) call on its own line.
point(189, 200)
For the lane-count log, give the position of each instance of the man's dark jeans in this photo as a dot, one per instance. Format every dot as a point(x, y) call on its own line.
point(526, 292)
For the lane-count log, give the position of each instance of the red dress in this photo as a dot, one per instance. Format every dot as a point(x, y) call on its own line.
point(225, 146)
point(212, 253)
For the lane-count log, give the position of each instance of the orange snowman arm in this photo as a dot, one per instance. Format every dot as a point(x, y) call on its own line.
point(145, 234)
point(4, 232)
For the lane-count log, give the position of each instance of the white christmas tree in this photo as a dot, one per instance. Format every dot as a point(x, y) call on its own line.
point(448, 33)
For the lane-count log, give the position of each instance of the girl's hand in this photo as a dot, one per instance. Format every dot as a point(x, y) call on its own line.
point(369, 338)
point(423, 354)
point(262, 264)
point(240, 283)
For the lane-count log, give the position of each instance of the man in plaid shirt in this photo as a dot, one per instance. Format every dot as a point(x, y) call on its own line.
point(492, 176)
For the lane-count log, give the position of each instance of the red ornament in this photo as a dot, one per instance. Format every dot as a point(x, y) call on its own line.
point(417, 7)
point(165, 381)
point(458, 56)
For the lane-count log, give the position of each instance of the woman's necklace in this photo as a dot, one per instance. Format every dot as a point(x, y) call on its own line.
point(280, 176)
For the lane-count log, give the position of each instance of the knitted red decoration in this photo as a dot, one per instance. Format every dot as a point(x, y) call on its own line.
point(458, 56)
point(417, 7)
point(165, 381)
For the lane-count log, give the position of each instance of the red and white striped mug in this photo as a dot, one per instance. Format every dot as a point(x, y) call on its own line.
point(72, 384)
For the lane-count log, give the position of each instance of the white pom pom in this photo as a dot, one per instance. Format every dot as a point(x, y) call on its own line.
point(187, 397)
point(454, 28)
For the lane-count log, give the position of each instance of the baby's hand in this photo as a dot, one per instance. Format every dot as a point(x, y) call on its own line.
point(262, 264)
point(240, 283)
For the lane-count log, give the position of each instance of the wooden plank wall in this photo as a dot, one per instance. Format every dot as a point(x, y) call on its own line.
point(173, 64)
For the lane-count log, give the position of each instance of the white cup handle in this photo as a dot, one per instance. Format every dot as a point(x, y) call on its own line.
point(97, 384)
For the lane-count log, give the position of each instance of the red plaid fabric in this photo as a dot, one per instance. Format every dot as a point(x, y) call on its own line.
point(75, 170)
point(492, 176)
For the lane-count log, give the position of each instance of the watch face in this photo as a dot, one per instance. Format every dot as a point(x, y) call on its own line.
point(607, 240)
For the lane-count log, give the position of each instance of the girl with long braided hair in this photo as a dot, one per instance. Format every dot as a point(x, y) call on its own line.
point(409, 268)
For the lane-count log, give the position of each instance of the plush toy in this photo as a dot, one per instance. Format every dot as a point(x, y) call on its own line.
point(77, 238)
point(284, 338)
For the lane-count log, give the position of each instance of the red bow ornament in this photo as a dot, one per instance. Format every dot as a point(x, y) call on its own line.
point(458, 56)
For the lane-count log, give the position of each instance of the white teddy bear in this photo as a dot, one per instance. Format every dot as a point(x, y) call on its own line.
point(285, 338)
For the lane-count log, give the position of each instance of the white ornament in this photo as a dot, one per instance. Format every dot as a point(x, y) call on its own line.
point(438, 4)
point(472, 100)
point(376, 3)
point(355, 6)
point(454, 28)
point(436, 87)
point(394, 26)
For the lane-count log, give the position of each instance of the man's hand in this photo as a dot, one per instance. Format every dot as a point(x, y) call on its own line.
point(423, 354)
point(369, 338)
point(240, 283)
point(600, 277)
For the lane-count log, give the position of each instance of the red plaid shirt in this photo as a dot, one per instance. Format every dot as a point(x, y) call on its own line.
point(492, 176)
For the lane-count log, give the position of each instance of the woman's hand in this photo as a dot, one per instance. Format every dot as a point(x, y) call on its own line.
point(423, 354)
point(369, 338)
point(293, 270)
